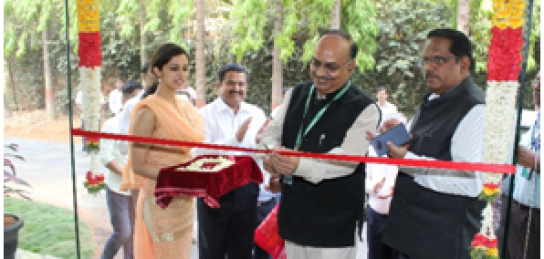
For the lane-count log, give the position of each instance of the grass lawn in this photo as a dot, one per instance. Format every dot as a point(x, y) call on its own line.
point(49, 230)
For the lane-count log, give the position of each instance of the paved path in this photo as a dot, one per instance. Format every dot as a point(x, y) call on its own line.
point(48, 170)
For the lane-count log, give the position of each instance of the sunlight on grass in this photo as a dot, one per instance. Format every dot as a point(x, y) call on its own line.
point(49, 230)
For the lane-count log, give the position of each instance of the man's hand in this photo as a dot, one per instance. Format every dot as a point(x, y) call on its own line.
point(397, 152)
point(370, 136)
point(527, 158)
point(241, 133)
point(389, 193)
point(273, 185)
point(261, 130)
point(285, 165)
point(378, 185)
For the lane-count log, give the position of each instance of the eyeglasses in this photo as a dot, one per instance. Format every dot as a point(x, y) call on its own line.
point(437, 60)
point(329, 67)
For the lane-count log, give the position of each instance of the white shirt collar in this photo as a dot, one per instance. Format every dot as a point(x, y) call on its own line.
point(223, 106)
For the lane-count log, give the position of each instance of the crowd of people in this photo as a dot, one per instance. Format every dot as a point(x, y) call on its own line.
point(413, 212)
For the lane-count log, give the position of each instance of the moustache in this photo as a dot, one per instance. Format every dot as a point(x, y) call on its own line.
point(236, 92)
point(430, 74)
point(328, 78)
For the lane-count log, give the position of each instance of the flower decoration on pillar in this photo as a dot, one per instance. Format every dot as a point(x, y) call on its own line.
point(503, 69)
point(90, 60)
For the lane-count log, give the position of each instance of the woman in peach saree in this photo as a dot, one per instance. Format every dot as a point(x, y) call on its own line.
point(162, 233)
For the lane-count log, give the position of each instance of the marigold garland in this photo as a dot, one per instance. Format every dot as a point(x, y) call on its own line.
point(503, 71)
point(90, 59)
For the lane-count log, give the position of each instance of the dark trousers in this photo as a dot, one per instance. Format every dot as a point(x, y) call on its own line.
point(375, 226)
point(263, 209)
point(228, 230)
point(519, 220)
point(122, 214)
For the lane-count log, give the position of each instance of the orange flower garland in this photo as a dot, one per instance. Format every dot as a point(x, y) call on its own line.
point(503, 71)
point(90, 59)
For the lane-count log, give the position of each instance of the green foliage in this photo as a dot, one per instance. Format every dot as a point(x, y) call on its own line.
point(49, 230)
point(251, 18)
point(403, 28)
point(359, 18)
point(388, 32)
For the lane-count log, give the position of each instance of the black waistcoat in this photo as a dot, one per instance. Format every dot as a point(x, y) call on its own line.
point(422, 223)
point(323, 214)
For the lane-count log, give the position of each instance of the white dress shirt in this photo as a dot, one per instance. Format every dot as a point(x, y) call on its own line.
point(466, 146)
point(387, 108)
point(109, 151)
point(374, 174)
point(316, 170)
point(124, 119)
point(221, 125)
point(115, 101)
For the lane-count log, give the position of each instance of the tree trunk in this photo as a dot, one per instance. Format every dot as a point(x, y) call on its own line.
point(143, 39)
point(335, 15)
point(277, 72)
point(7, 112)
point(200, 58)
point(12, 83)
point(49, 104)
point(463, 12)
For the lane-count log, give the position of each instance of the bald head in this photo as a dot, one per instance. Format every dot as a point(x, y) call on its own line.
point(333, 61)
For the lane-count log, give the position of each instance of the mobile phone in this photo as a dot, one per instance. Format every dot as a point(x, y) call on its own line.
point(398, 135)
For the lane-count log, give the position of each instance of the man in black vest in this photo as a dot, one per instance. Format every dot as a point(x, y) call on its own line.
point(435, 213)
point(322, 200)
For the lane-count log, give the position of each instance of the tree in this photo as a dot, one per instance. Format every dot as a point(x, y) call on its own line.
point(463, 12)
point(200, 58)
point(335, 15)
point(49, 104)
point(277, 71)
point(143, 38)
point(250, 17)
point(33, 14)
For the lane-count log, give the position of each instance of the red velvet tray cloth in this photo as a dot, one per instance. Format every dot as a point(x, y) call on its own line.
point(209, 185)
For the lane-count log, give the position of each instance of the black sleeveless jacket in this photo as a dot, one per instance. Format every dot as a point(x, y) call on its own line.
point(323, 214)
point(423, 223)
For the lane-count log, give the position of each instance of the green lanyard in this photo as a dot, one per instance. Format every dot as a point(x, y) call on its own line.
point(319, 114)
point(288, 179)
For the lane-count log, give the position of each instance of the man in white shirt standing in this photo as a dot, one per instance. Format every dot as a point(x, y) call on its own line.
point(380, 185)
point(385, 106)
point(120, 204)
point(124, 121)
point(228, 231)
point(116, 96)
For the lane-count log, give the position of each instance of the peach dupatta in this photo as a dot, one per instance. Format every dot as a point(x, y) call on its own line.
point(182, 122)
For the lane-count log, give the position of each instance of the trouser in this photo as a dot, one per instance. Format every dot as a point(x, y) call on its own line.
point(517, 232)
point(263, 209)
point(374, 231)
point(228, 230)
point(296, 251)
point(122, 215)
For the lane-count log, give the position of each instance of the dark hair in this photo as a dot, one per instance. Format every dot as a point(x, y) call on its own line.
point(381, 88)
point(144, 68)
point(231, 67)
point(160, 57)
point(353, 49)
point(129, 87)
point(460, 44)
